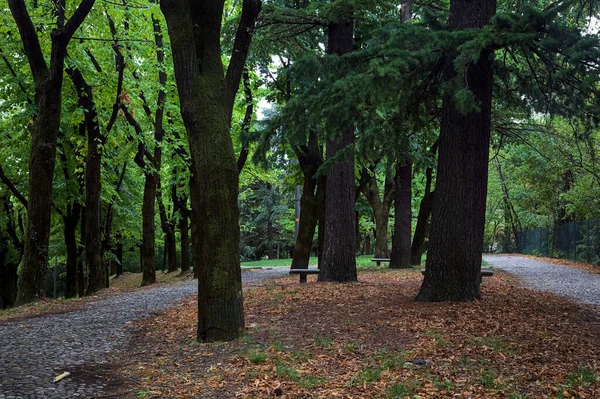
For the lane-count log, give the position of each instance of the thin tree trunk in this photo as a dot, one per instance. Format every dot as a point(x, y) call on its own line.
point(458, 217)
point(418, 245)
point(168, 227)
point(401, 255)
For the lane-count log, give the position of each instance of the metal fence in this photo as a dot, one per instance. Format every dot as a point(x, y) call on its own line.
point(576, 241)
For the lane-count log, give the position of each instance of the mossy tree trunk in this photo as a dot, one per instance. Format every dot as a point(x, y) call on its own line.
point(458, 217)
point(48, 78)
point(400, 257)
point(207, 97)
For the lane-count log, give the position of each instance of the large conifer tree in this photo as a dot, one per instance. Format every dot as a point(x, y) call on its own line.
point(338, 262)
point(458, 216)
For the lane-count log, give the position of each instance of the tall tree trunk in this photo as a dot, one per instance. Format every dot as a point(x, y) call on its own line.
point(400, 257)
point(458, 216)
point(150, 163)
point(44, 133)
point(207, 97)
point(339, 255)
point(96, 269)
point(418, 245)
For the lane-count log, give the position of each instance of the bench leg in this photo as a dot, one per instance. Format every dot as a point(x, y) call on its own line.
point(378, 263)
point(303, 279)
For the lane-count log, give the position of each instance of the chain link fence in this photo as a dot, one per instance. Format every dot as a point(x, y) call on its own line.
point(578, 241)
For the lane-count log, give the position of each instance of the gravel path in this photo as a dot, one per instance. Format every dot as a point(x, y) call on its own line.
point(578, 284)
point(34, 351)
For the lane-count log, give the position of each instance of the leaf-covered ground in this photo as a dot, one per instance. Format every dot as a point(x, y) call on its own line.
point(370, 340)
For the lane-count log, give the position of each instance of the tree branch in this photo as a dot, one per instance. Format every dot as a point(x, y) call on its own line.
point(243, 37)
point(13, 189)
point(29, 38)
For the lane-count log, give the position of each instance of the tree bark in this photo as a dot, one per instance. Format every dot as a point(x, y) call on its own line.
point(458, 217)
point(44, 133)
point(207, 97)
point(400, 257)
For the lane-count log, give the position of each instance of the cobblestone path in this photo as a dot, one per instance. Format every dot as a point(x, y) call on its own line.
point(578, 284)
point(34, 351)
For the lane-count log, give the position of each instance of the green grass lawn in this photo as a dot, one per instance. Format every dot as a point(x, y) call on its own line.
point(363, 261)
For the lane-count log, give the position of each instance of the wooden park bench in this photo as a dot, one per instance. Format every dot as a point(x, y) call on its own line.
point(484, 272)
point(303, 273)
point(379, 261)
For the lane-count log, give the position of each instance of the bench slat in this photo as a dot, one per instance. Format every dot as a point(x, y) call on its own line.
point(304, 271)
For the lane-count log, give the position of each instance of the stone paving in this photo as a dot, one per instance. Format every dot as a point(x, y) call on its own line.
point(580, 285)
point(34, 351)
